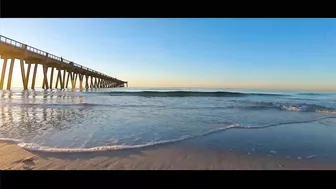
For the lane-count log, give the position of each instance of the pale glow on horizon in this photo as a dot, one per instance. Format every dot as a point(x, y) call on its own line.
point(169, 83)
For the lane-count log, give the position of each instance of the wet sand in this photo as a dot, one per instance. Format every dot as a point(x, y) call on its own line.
point(164, 157)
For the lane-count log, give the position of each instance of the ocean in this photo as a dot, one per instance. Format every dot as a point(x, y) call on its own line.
point(288, 124)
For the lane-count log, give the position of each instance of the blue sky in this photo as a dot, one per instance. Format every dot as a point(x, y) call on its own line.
point(234, 53)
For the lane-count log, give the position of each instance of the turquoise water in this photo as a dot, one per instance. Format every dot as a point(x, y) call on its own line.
point(287, 123)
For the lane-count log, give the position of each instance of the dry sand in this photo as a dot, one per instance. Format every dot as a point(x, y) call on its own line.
point(154, 158)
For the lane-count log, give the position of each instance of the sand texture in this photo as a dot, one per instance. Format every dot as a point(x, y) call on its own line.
point(12, 157)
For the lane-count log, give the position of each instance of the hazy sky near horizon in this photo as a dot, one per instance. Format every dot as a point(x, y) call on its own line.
point(235, 53)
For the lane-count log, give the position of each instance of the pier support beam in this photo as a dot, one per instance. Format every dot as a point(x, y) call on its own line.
point(81, 81)
point(27, 76)
point(23, 74)
point(76, 75)
point(91, 84)
point(59, 79)
point(63, 83)
point(86, 81)
point(51, 77)
point(98, 83)
point(2, 79)
point(95, 83)
point(10, 74)
point(67, 82)
point(45, 77)
point(72, 80)
point(34, 77)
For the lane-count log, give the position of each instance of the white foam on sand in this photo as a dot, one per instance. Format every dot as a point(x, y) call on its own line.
point(39, 148)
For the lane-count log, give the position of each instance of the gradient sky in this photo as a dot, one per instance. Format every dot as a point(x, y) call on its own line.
point(235, 53)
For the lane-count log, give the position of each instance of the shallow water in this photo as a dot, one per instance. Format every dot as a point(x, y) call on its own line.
point(290, 124)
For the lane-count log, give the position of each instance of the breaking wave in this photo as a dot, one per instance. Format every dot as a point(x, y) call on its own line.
point(315, 94)
point(37, 148)
point(299, 107)
point(189, 94)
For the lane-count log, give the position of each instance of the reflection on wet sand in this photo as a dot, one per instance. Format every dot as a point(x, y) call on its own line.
point(29, 114)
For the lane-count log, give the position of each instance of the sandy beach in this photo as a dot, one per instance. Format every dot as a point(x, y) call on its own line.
point(165, 157)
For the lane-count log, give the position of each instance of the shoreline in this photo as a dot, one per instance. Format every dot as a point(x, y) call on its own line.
point(163, 157)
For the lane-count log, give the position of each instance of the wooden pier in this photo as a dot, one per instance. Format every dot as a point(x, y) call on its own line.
point(66, 70)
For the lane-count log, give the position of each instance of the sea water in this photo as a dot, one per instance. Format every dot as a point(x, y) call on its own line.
point(291, 124)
